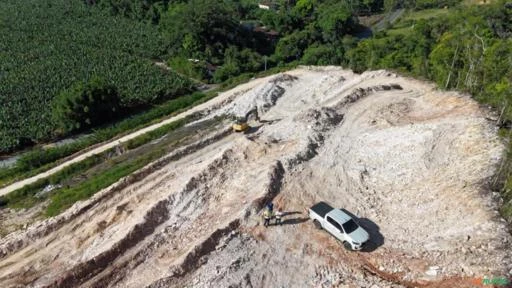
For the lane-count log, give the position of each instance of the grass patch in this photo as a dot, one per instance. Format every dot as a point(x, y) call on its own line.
point(65, 198)
point(478, 2)
point(399, 31)
point(27, 196)
point(40, 160)
point(425, 14)
point(404, 26)
point(155, 134)
point(370, 20)
point(101, 170)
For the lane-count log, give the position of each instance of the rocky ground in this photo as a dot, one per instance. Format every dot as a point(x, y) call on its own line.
point(410, 161)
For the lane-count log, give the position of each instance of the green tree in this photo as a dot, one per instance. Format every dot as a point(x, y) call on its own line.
point(201, 25)
point(498, 61)
point(236, 62)
point(225, 71)
point(85, 105)
point(305, 7)
point(320, 55)
point(498, 77)
point(445, 61)
point(291, 47)
point(335, 20)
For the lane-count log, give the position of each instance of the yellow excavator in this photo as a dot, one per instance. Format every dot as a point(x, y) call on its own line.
point(240, 124)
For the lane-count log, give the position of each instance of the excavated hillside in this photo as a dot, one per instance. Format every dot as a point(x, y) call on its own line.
point(411, 162)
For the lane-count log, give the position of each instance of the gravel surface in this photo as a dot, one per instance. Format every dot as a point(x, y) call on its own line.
point(410, 161)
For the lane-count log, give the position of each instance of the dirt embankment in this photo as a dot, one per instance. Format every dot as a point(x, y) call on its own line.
point(410, 161)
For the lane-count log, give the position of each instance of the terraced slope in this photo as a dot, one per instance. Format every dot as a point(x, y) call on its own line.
point(410, 161)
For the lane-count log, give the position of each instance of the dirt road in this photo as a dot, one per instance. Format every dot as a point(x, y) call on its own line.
point(106, 146)
point(410, 161)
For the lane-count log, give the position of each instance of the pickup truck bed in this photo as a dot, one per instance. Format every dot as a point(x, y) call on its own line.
point(321, 208)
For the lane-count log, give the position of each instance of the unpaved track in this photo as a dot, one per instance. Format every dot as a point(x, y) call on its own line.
point(213, 102)
point(412, 163)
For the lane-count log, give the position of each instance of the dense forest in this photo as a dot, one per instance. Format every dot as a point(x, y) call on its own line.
point(58, 57)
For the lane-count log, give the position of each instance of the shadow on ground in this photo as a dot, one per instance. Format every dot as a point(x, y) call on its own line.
point(288, 221)
point(270, 121)
point(252, 129)
point(292, 221)
point(290, 213)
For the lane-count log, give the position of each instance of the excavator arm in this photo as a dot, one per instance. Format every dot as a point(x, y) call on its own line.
point(254, 112)
point(241, 125)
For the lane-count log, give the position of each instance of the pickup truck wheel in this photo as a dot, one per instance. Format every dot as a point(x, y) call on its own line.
point(317, 224)
point(347, 245)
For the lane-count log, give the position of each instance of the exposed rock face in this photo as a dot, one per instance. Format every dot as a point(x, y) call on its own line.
point(410, 161)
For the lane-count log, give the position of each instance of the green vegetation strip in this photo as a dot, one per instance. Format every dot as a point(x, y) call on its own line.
point(503, 180)
point(40, 160)
point(63, 198)
point(28, 196)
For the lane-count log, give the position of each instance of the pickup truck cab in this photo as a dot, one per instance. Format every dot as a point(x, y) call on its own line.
point(339, 224)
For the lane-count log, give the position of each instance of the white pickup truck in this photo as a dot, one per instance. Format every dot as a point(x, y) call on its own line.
point(339, 224)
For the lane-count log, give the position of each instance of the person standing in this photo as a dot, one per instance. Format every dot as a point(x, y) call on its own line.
point(279, 216)
point(267, 215)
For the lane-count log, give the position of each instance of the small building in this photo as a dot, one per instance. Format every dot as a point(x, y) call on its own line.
point(267, 5)
point(264, 6)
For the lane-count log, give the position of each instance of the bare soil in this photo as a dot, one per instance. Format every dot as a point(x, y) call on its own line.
point(410, 162)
